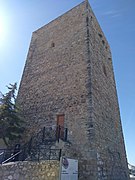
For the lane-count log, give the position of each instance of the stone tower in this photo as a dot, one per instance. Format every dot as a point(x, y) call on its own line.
point(68, 80)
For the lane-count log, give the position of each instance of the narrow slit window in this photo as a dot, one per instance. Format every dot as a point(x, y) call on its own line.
point(53, 44)
point(103, 42)
point(104, 70)
point(100, 35)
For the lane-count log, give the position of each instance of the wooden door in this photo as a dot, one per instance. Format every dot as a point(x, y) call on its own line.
point(60, 120)
point(60, 125)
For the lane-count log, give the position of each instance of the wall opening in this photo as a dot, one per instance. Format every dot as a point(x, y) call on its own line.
point(103, 42)
point(53, 44)
point(104, 70)
point(100, 35)
point(87, 20)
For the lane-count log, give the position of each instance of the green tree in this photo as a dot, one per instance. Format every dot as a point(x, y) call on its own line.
point(11, 124)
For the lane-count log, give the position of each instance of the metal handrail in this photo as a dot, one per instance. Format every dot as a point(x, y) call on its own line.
point(11, 157)
point(45, 137)
point(131, 170)
point(1, 153)
point(132, 166)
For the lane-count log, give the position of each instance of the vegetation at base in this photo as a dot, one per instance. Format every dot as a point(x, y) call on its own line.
point(11, 123)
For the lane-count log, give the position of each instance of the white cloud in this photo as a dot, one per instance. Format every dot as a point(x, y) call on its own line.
point(112, 13)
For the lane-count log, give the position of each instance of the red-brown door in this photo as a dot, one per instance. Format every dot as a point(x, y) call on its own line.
point(60, 120)
point(60, 125)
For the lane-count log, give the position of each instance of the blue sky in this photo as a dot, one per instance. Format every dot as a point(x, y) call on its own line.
point(18, 19)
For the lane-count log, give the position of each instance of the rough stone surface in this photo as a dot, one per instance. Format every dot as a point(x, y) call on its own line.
point(45, 170)
point(69, 71)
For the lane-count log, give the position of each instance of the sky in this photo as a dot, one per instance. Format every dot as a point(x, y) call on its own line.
point(18, 19)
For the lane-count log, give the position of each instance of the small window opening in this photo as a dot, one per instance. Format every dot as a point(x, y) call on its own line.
point(88, 32)
point(104, 70)
point(103, 42)
point(91, 125)
point(53, 44)
point(100, 35)
point(87, 20)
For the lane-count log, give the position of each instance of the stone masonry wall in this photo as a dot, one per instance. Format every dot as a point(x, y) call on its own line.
point(69, 71)
point(106, 116)
point(44, 170)
point(55, 81)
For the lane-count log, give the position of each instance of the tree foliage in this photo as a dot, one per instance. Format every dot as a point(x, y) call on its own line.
point(11, 124)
